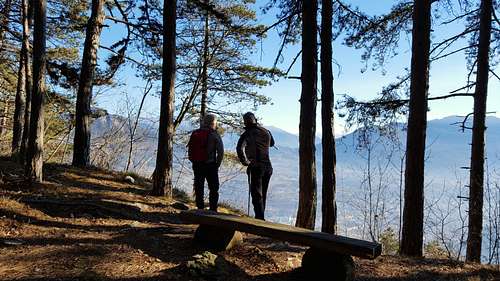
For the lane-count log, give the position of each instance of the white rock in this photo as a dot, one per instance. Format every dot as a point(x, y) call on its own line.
point(129, 179)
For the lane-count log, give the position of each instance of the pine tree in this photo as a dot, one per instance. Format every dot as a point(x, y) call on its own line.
point(476, 185)
point(162, 178)
point(413, 212)
point(328, 206)
point(81, 144)
point(34, 159)
point(22, 86)
point(306, 213)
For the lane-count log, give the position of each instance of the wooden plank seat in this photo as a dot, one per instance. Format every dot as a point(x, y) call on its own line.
point(328, 254)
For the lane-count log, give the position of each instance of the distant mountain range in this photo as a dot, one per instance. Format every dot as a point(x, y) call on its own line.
point(448, 150)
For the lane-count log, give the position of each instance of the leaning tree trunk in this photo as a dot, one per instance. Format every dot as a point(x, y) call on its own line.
point(81, 143)
point(413, 212)
point(306, 213)
point(34, 157)
point(162, 178)
point(22, 87)
point(328, 206)
point(476, 186)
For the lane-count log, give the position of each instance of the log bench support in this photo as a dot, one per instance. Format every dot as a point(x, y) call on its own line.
point(324, 265)
point(217, 238)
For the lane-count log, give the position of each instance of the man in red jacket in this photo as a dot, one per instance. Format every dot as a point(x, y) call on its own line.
point(206, 152)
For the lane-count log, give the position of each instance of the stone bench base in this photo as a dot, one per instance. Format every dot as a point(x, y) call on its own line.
point(217, 238)
point(324, 265)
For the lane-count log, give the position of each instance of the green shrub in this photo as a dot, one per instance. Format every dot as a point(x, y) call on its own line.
point(435, 250)
point(389, 240)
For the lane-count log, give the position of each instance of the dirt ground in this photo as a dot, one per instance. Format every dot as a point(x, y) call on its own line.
point(92, 225)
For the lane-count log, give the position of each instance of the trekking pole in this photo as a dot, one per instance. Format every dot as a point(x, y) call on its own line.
point(249, 190)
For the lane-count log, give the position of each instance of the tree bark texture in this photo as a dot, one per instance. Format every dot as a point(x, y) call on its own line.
point(22, 89)
point(29, 85)
point(476, 185)
point(4, 21)
point(328, 207)
point(81, 143)
point(162, 178)
point(20, 105)
point(413, 212)
point(306, 213)
point(3, 116)
point(34, 157)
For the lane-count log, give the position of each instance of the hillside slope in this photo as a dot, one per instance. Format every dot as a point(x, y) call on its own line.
point(91, 225)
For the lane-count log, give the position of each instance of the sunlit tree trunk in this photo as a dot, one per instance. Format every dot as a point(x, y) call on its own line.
point(4, 22)
point(306, 213)
point(28, 20)
point(413, 212)
point(34, 156)
point(81, 143)
point(162, 178)
point(22, 87)
point(476, 186)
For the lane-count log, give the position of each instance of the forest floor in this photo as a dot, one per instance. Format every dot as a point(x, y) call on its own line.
point(92, 225)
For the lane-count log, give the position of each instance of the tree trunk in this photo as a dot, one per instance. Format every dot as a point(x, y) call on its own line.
point(328, 206)
point(306, 213)
point(22, 87)
point(29, 80)
point(413, 212)
point(4, 21)
point(162, 178)
point(3, 116)
point(18, 122)
point(27, 110)
point(81, 143)
point(34, 157)
point(204, 74)
point(476, 187)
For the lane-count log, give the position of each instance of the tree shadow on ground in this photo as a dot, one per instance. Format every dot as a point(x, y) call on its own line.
point(476, 275)
point(165, 244)
point(230, 272)
point(21, 218)
point(97, 209)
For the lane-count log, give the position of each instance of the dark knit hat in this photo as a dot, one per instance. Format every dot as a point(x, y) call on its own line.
point(249, 118)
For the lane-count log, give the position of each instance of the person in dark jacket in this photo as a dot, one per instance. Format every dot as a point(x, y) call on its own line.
point(253, 151)
point(208, 167)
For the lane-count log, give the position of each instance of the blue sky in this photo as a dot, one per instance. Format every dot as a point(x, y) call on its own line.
point(445, 76)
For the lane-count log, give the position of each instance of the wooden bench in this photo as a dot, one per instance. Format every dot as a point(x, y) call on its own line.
point(328, 254)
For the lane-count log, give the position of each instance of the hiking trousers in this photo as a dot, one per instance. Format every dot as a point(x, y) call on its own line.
point(210, 172)
point(260, 175)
